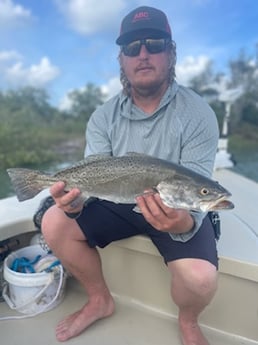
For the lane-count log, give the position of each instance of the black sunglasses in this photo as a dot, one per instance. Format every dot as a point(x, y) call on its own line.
point(153, 46)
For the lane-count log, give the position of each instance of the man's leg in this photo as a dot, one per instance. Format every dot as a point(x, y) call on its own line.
point(194, 283)
point(68, 243)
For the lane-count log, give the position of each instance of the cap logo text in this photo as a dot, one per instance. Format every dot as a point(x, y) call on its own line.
point(140, 15)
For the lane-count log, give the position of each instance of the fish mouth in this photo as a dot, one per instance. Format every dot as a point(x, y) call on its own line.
point(221, 203)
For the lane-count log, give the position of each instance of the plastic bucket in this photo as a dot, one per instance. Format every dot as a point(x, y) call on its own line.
point(32, 293)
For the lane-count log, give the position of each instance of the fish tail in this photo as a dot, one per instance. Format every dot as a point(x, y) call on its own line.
point(27, 183)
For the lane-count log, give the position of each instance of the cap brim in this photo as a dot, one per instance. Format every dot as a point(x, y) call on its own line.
point(143, 33)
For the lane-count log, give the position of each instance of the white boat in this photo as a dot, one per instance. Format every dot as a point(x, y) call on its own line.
point(140, 283)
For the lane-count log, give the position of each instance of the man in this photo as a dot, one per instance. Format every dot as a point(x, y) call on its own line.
point(156, 116)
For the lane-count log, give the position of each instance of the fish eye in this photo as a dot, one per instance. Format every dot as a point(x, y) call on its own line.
point(204, 191)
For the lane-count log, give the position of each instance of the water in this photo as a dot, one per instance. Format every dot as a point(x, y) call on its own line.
point(5, 186)
point(247, 165)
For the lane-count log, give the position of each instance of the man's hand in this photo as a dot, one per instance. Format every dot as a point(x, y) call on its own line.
point(162, 217)
point(70, 202)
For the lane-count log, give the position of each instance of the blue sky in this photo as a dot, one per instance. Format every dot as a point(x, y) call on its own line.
point(62, 45)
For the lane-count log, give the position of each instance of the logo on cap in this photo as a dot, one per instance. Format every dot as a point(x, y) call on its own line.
point(140, 16)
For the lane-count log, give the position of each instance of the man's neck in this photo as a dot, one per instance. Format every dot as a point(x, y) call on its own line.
point(148, 100)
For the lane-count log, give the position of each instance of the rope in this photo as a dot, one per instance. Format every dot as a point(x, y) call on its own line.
point(24, 265)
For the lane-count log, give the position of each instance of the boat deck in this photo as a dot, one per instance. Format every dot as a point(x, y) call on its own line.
point(239, 241)
point(131, 324)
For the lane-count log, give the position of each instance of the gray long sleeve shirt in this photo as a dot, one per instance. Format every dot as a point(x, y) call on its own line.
point(183, 129)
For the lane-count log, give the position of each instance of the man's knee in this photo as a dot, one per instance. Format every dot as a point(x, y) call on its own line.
point(52, 222)
point(204, 278)
point(198, 276)
point(57, 227)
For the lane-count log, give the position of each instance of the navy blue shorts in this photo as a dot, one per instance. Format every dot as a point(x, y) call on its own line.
point(103, 222)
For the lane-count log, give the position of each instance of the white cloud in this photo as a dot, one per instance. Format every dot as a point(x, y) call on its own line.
point(12, 14)
point(36, 75)
point(7, 58)
point(7, 55)
point(89, 16)
point(112, 87)
point(66, 103)
point(191, 67)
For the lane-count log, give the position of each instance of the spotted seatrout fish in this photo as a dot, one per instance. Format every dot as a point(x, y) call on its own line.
point(122, 179)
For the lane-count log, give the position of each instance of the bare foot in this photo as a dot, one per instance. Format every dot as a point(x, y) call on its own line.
point(191, 334)
point(76, 323)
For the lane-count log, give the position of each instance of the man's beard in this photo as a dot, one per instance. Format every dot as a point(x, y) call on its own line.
point(148, 88)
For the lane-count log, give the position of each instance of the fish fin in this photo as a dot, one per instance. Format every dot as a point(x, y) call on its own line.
point(151, 191)
point(27, 183)
point(95, 158)
point(86, 160)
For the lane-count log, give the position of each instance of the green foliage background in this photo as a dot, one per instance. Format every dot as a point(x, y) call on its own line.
point(32, 131)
